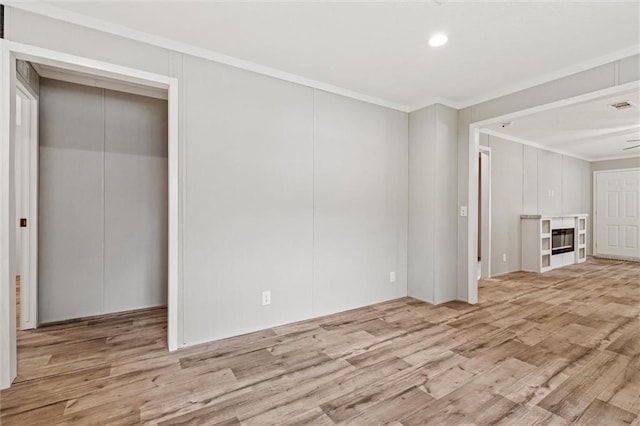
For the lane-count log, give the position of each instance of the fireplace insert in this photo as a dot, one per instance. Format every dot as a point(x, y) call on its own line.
point(562, 240)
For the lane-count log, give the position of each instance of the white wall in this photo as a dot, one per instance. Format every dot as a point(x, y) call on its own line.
point(528, 180)
point(602, 77)
point(432, 203)
point(283, 188)
point(249, 201)
point(360, 214)
point(622, 163)
point(102, 201)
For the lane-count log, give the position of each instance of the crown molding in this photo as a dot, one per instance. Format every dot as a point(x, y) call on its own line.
point(624, 157)
point(557, 151)
point(166, 43)
point(60, 14)
point(530, 143)
point(545, 78)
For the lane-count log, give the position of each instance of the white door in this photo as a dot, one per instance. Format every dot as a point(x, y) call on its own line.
point(616, 216)
point(26, 181)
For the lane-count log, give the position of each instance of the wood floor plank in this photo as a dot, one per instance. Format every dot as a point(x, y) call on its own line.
point(573, 396)
point(600, 413)
point(545, 349)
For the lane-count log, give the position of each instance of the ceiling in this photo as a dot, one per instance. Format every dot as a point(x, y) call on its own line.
point(590, 130)
point(380, 49)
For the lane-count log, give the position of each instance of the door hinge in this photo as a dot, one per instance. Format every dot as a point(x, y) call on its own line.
point(23, 223)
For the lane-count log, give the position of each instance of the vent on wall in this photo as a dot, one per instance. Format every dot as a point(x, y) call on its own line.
point(622, 105)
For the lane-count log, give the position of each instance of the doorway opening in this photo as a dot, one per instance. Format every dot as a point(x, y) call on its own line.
point(102, 223)
point(118, 79)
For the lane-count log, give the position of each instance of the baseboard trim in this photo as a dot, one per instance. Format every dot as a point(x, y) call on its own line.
point(614, 257)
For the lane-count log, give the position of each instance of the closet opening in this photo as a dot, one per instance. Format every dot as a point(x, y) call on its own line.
point(102, 199)
point(92, 190)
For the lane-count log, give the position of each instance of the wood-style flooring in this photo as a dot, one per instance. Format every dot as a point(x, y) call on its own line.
point(555, 348)
point(18, 302)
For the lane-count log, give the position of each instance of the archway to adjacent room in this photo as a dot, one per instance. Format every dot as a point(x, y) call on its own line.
point(483, 126)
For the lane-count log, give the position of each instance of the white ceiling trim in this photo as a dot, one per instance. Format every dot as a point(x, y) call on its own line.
point(574, 69)
point(530, 143)
point(101, 83)
point(631, 131)
point(97, 24)
point(126, 32)
point(624, 157)
point(586, 97)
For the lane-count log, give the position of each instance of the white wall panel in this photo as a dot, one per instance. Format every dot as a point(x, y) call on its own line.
point(529, 179)
point(446, 204)
point(135, 170)
point(71, 214)
point(506, 204)
point(549, 182)
point(422, 215)
point(249, 201)
point(359, 160)
point(622, 163)
point(432, 204)
point(572, 184)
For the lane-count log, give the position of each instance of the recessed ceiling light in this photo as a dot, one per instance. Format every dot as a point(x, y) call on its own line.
point(438, 40)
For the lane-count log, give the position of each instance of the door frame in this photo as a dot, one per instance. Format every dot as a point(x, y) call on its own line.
point(594, 200)
point(485, 244)
point(10, 52)
point(29, 267)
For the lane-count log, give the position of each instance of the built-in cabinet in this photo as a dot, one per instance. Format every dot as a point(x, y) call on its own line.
point(550, 242)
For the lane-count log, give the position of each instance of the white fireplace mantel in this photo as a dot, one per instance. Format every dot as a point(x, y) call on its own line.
point(537, 240)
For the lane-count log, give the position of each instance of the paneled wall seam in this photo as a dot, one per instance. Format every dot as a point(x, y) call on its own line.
point(313, 206)
point(563, 166)
point(435, 210)
point(104, 197)
point(183, 208)
point(523, 179)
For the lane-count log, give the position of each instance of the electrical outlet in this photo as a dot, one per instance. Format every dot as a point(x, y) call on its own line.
point(266, 298)
point(392, 277)
point(463, 211)
point(504, 257)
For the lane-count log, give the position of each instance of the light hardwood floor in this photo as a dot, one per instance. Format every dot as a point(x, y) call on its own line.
point(18, 302)
point(555, 348)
